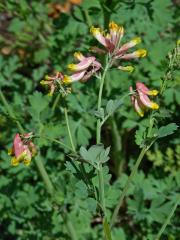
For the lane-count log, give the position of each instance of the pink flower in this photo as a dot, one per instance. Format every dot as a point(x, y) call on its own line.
point(83, 70)
point(23, 149)
point(52, 82)
point(112, 40)
point(140, 99)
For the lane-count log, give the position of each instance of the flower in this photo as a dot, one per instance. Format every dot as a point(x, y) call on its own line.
point(52, 82)
point(23, 149)
point(83, 70)
point(111, 41)
point(140, 99)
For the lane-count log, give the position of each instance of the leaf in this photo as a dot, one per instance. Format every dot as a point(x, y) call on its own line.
point(167, 130)
point(95, 154)
point(112, 106)
point(41, 55)
point(38, 103)
point(139, 136)
point(100, 113)
point(83, 135)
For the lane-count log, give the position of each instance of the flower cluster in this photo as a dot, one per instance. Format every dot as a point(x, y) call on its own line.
point(23, 149)
point(82, 71)
point(56, 82)
point(112, 43)
point(140, 99)
point(86, 67)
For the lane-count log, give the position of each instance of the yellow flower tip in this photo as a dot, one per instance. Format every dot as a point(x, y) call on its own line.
point(113, 26)
point(121, 29)
point(42, 82)
point(141, 113)
point(95, 30)
point(141, 53)
point(136, 40)
point(71, 67)
point(154, 106)
point(129, 69)
point(14, 162)
point(10, 152)
point(116, 28)
point(178, 42)
point(153, 92)
point(46, 77)
point(66, 79)
point(50, 94)
point(77, 54)
point(108, 36)
point(27, 162)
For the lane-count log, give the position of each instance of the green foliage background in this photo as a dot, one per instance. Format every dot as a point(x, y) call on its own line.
point(35, 45)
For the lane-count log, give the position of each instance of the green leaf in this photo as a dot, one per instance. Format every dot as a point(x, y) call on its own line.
point(83, 135)
point(140, 136)
point(100, 113)
point(38, 103)
point(167, 130)
point(112, 105)
point(41, 55)
point(95, 154)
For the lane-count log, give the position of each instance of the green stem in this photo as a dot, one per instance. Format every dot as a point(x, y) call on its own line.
point(69, 130)
point(134, 171)
point(101, 188)
point(44, 175)
point(70, 229)
point(56, 141)
point(98, 140)
point(124, 192)
point(10, 111)
point(98, 129)
point(55, 102)
point(88, 18)
point(168, 219)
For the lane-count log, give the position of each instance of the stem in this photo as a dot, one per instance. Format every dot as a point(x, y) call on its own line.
point(106, 228)
point(98, 129)
point(70, 229)
point(98, 140)
point(55, 102)
point(101, 188)
point(124, 192)
point(69, 130)
point(168, 219)
point(44, 175)
point(10, 111)
point(88, 18)
point(56, 141)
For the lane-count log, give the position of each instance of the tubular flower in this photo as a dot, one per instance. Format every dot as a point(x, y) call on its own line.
point(83, 70)
point(52, 82)
point(140, 99)
point(112, 43)
point(23, 149)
